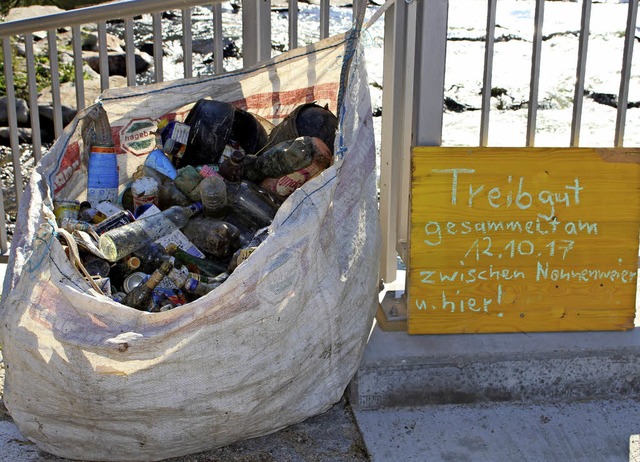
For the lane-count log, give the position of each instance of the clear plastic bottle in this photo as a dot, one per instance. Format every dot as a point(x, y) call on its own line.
point(120, 242)
point(141, 297)
point(281, 159)
point(213, 194)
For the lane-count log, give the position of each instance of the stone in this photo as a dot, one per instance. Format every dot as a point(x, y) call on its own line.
point(90, 42)
point(117, 62)
point(24, 135)
point(22, 111)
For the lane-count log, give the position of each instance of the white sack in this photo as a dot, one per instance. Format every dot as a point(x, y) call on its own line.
point(89, 378)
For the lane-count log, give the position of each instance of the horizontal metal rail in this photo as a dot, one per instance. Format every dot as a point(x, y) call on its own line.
point(96, 13)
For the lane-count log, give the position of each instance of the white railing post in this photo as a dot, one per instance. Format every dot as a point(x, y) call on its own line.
point(256, 31)
point(392, 134)
point(430, 68)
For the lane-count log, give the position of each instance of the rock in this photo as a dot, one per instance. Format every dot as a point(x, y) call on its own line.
point(46, 121)
point(26, 12)
point(24, 136)
point(117, 62)
point(22, 111)
point(91, 92)
point(90, 42)
point(205, 46)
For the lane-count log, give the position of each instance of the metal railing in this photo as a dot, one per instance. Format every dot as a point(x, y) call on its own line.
point(414, 69)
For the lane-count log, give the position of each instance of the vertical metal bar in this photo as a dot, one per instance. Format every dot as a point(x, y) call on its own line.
point(581, 68)
point(430, 70)
point(103, 55)
point(324, 19)
point(256, 31)
point(187, 43)
point(409, 128)
point(488, 71)
point(293, 24)
point(13, 121)
point(55, 82)
point(130, 51)
point(394, 74)
point(218, 44)
point(157, 47)
point(625, 74)
point(78, 66)
point(534, 85)
point(36, 142)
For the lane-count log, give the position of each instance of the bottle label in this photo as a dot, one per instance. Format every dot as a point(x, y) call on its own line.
point(174, 138)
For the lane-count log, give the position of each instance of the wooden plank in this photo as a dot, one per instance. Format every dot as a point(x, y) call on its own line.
point(523, 239)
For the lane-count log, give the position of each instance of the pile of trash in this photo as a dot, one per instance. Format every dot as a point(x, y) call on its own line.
point(197, 207)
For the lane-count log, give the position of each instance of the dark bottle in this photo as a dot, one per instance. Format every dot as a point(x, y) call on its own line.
point(96, 266)
point(197, 265)
point(141, 297)
point(153, 255)
point(281, 159)
point(212, 236)
point(122, 269)
point(231, 167)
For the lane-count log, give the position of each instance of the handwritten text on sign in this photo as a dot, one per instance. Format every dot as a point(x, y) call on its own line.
point(523, 239)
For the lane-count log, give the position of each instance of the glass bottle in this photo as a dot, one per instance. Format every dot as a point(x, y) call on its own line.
point(231, 167)
point(141, 297)
point(201, 266)
point(120, 242)
point(200, 288)
point(122, 269)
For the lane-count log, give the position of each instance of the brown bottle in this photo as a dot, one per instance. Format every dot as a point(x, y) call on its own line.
point(141, 297)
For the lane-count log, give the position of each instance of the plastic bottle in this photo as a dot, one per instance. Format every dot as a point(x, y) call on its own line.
point(286, 184)
point(214, 237)
point(308, 119)
point(285, 157)
point(141, 297)
point(120, 242)
point(168, 193)
point(213, 194)
point(252, 203)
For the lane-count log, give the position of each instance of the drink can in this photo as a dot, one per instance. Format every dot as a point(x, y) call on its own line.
point(134, 280)
point(66, 209)
point(121, 218)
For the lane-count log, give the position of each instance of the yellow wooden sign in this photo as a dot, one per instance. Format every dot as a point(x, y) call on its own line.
point(523, 239)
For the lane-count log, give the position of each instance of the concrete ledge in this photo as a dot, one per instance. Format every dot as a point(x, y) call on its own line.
point(400, 370)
